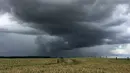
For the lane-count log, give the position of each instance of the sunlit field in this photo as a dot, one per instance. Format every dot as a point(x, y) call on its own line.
point(68, 65)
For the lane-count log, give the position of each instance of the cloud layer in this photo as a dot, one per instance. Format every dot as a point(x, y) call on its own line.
point(74, 24)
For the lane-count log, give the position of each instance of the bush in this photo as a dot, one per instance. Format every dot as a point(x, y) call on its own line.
point(60, 60)
point(67, 61)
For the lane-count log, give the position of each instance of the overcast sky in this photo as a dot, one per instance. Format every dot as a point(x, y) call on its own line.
point(71, 27)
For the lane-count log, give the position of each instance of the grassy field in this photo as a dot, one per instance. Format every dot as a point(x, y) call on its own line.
point(79, 65)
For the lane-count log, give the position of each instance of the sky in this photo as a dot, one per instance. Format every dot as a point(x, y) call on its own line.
point(68, 28)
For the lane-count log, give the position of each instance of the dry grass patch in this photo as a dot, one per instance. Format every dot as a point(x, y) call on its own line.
point(66, 65)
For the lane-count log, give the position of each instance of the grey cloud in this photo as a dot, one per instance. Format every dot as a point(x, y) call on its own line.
point(24, 45)
point(4, 6)
point(17, 45)
point(98, 50)
point(71, 21)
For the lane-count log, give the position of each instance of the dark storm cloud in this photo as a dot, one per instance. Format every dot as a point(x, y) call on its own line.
point(73, 23)
point(64, 19)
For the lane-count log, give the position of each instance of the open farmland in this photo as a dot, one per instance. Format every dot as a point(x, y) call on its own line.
point(80, 65)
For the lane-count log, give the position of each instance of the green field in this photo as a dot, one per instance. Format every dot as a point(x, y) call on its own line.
point(79, 65)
